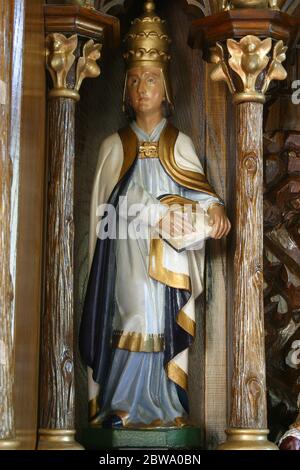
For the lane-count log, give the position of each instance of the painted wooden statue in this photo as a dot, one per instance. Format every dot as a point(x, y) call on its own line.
point(139, 314)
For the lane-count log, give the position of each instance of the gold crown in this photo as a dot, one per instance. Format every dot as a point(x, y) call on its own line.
point(147, 41)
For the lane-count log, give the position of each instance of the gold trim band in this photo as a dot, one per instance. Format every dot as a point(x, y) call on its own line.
point(186, 323)
point(254, 97)
point(177, 375)
point(158, 272)
point(178, 422)
point(166, 145)
point(138, 342)
point(58, 439)
point(186, 178)
point(64, 93)
point(9, 444)
point(174, 199)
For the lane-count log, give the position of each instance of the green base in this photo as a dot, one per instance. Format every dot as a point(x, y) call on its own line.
point(184, 438)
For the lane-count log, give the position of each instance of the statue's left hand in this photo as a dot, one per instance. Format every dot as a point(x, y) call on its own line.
point(219, 221)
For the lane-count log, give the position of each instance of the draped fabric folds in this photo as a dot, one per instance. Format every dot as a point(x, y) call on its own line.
point(141, 293)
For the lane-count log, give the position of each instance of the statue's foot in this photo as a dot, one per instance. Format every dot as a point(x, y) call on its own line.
point(112, 421)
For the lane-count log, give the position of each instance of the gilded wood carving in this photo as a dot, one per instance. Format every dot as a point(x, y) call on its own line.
point(230, 4)
point(248, 58)
point(60, 58)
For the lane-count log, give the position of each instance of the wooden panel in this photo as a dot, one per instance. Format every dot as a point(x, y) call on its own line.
point(82, 21)
point(7, 428)
point(205, 32)
point(30, 225)
point(188, 117)
point(217, 114)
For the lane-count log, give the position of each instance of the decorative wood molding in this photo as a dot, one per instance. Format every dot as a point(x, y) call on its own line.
point(28, 156)
point(60, 58)
point(206, 32)
point(7, 363)
point(85, 22)
point(249, 59)
point(112, 7)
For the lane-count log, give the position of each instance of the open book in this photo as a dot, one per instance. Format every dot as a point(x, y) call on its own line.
point(194, 240)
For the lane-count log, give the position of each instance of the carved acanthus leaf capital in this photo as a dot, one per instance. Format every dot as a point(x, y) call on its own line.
point(220, 71)
point(60, 58)
point(252, 65)
point(276, 71)
point(87, 66)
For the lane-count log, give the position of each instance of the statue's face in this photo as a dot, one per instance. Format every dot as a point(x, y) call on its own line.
point(145, 89)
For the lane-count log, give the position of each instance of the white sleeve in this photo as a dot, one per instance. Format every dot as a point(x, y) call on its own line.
point(205, 200)
point(142, 206)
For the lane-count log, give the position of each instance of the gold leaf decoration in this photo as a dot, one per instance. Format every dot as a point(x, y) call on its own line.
point(87, 66)
point(276, 71)
point(248, 59)
point(60, 57)
point(220, 70)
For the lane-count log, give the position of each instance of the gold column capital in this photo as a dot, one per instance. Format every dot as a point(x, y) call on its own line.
point(248, 66)
point(60, 58)
point(261, 4)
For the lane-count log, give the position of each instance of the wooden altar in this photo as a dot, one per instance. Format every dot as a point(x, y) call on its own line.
point(245, 365)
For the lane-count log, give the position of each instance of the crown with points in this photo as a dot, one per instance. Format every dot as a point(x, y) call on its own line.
point(147, 42)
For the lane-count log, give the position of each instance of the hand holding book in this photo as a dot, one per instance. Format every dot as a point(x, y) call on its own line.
point(187, 229)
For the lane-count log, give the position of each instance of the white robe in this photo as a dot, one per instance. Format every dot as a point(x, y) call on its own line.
point(138, 322)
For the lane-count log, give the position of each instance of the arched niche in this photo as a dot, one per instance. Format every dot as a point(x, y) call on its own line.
point(202, 111)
